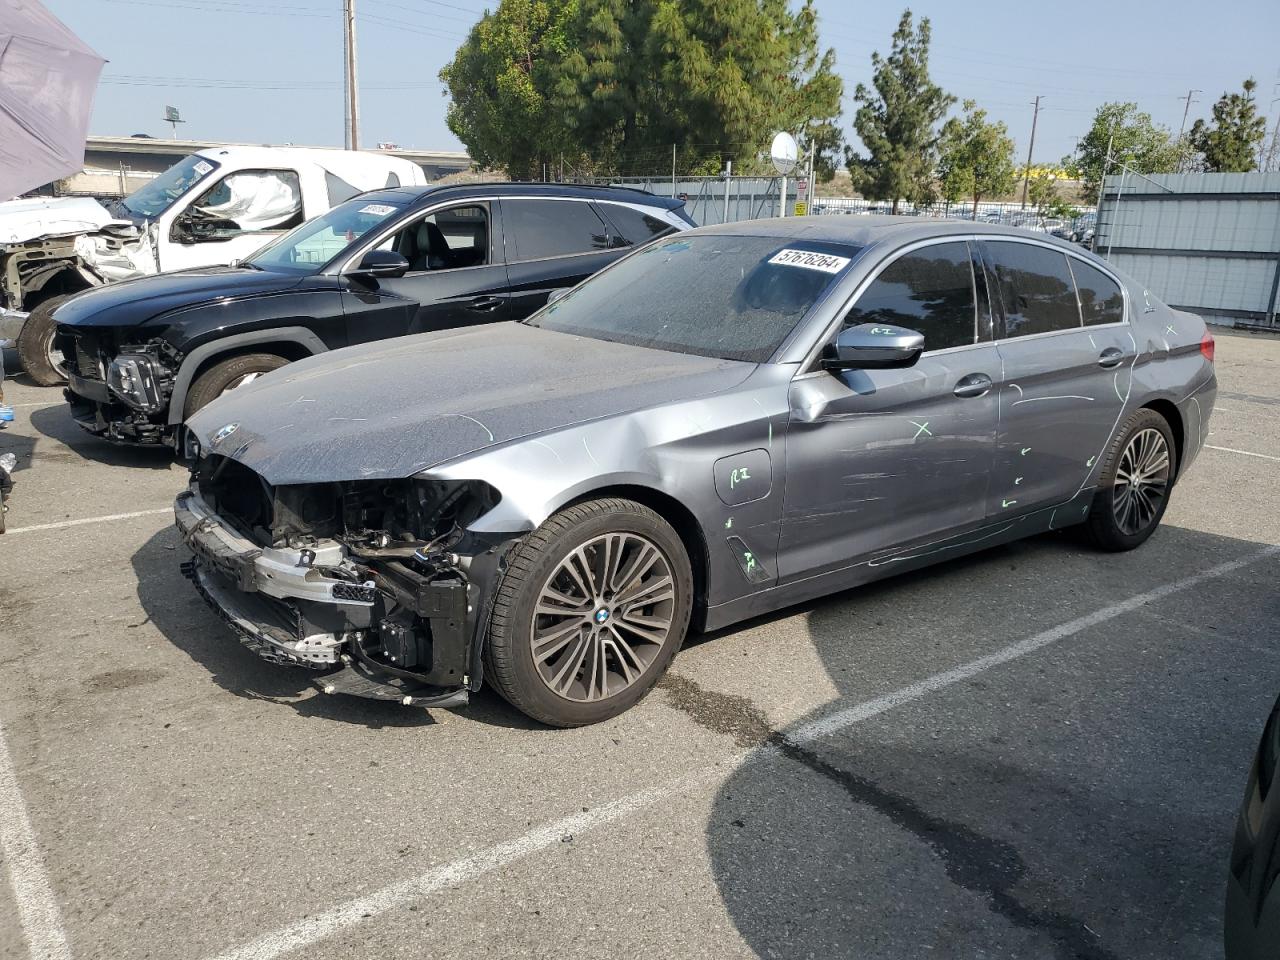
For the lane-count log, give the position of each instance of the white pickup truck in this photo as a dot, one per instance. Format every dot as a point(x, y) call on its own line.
point(211, 208)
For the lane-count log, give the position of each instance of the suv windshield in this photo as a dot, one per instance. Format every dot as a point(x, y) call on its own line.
point(308, 247)
point(157, 196)
point(735, 297)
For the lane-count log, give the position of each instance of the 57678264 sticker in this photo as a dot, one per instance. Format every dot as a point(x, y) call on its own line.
point(810, 260)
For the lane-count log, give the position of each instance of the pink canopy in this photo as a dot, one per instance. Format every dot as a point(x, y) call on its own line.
point(47, 81)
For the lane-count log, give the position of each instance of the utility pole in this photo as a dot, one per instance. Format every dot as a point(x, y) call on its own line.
point(1026, 173)
point(1187, 109)
point(352, 87)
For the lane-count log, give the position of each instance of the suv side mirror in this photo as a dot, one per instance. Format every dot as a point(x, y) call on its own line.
point(381, 263)
point(188, 228)
point(874, 346)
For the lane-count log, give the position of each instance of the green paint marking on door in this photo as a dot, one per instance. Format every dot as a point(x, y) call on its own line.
point(922, 428)
point(1025, 451)
point(728, 524)
point(1016, 481)
point(1089, 462)
point(1007, 503)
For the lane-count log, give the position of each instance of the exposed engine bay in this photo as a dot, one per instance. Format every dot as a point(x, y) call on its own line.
point(370, 577)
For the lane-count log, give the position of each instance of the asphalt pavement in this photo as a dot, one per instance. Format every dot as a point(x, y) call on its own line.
point(1038, 752)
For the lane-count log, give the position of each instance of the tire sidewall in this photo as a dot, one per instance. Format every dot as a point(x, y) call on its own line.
point(212, 382)
point(35, 339)
point(545, 704)
point(1102, 520)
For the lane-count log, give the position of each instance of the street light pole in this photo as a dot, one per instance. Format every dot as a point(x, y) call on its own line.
point(352, 119)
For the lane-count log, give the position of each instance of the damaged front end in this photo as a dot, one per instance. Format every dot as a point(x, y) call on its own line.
point(120, 392)
point(377, 583)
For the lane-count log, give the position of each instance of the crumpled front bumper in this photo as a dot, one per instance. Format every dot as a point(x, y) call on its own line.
point(285, 607)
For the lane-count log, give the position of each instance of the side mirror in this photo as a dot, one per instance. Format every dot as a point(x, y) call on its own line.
point(381, 263)
point(874, 346)
point(192, 229)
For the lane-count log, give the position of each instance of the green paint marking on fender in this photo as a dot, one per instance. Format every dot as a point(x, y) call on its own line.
point(737, 476)
point(1007, 503)
point(1017, 481)
point(1089, 462)
point(751, 561)
point(1025, 451)
point(728, 524)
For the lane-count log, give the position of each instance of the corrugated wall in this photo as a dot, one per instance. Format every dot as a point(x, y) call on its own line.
point(1205, 242)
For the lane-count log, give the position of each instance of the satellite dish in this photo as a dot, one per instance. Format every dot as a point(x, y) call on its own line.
point(783, 153)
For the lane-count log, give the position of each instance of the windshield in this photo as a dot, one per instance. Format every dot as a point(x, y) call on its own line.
point(713, 295)
point(157, 196)
point(307, 248)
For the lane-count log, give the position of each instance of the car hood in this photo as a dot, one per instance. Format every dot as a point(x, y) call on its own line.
point(22, 220)
point(133, 302)
point(393, 408)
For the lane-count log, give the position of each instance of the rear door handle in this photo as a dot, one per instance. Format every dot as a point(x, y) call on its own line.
point(485, 304)
point(974, 385)
point(1111, 357)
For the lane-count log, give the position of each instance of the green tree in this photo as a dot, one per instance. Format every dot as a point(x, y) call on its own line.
point(1135, 139)
point(1047, 199)
point(1231, 144)
point(898, 121)
point(620, 81)
point(498, 83)
point(975, 157)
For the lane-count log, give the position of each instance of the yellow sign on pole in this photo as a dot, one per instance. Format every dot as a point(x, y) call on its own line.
point(802, 209)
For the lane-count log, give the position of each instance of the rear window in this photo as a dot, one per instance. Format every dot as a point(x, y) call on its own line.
point(1037, 288)
point(736, 297)
point(1100, 298)
point(537, 229)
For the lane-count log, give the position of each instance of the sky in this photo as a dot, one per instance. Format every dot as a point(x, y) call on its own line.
point(243, 70)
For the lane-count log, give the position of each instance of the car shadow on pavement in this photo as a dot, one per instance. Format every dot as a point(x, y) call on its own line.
point(1075, 803)
point(55, 423)
point(178, 612)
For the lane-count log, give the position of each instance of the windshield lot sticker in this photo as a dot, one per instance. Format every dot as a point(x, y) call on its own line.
point(203, 167)
point(377, 209)
point(826, 262)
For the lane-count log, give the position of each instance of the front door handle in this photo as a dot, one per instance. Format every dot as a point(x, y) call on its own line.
point(974, 385)
point(485, 304)
point(1111, 357)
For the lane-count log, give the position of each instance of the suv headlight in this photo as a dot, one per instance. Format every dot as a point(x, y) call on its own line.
point(133, 380)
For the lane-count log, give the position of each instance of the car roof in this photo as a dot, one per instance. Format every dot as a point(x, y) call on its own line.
point(863, 231)
point(469, 191)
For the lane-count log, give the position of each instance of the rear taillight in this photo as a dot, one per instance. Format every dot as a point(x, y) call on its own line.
point(1206, 346)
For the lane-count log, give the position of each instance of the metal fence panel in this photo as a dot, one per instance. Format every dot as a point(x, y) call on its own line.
point(1205, 242)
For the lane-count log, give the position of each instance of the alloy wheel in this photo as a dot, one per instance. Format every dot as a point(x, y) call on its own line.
point(240, 382)
point(602, 617)
point(1141, 482)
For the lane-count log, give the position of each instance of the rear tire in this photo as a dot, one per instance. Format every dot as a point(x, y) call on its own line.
point(604, 589)
point(1137, 477)
point(227, 375)
point(35, 345)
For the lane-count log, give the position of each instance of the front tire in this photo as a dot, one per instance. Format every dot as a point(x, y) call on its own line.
point(43, 363)
point(228, 375)
point(594, 605)
point(1136, 480)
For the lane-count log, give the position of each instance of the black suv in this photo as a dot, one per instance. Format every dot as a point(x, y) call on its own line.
point(144, 355)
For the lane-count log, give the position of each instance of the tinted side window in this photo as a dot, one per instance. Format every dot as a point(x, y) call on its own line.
point(551, 228)
point(1100, 298)
point(444, 240)
point(929, 290)
point(1037, 288)
point(633, 226)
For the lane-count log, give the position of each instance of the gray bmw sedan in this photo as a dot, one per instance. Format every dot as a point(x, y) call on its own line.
point(720, 424)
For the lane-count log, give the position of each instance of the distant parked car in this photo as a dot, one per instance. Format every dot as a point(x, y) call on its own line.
point(728, 421)
point(143, 356)
point(1252, 923)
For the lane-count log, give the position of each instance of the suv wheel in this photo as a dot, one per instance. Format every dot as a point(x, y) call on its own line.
point(594, 605)
point(42, 361)
point(1137, 476)
point(227, 375)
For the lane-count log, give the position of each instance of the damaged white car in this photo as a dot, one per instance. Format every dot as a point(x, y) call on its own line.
point(211, 208)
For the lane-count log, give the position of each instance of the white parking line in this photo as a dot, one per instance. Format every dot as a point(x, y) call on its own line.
point(37, 906)
point(1245, 453)
point(61, 524)
point(314, 928)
